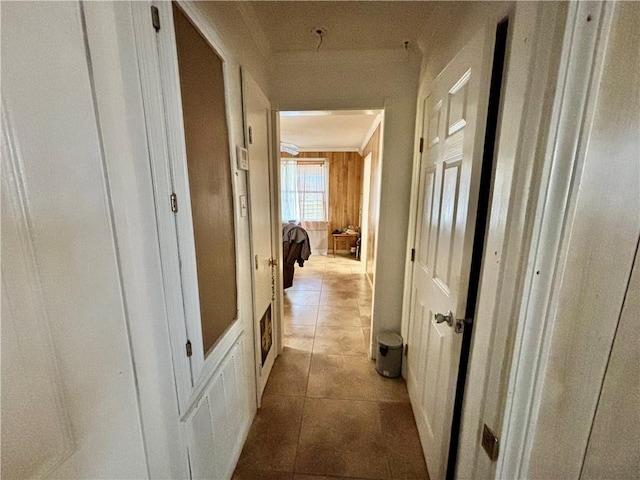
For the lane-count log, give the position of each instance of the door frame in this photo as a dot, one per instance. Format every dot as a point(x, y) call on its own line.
point(276, 240)
point(532, 56)
point(364, 207)
point(355, 106)
point(160, 88)
point(583, 48)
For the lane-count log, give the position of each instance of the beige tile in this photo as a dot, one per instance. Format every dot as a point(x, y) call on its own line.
point(298, 338)
point(365, 309)
point(356, 424)
point(290, 374)
point(309, 272)
point(343, 438)
point(300, 314)
point(337, 269)
point(365, 299)
point(403, 443)
point(340, 377)
point(366, 335)
point(302, 298)
point(354, 378)
point(339, 341)
point(306, 283)
point(273, 438)
point(338, 316)
point(338, 298)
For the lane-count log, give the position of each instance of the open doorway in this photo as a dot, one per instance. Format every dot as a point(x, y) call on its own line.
point(324, 176)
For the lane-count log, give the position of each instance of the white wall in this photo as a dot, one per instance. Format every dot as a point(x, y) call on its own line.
point(361, 80)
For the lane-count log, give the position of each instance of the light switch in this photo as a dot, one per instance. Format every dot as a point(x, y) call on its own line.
point(243, 205)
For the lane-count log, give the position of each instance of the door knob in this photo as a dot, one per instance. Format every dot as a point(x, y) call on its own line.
point(273, 262)
point(444, 318)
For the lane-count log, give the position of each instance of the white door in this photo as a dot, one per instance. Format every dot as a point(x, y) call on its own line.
point(70, 407)
point(257, 112)
point(455, 116)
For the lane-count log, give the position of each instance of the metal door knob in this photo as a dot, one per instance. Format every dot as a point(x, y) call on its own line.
point(444, 318)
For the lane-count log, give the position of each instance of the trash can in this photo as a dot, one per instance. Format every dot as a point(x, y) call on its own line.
point(389, 354)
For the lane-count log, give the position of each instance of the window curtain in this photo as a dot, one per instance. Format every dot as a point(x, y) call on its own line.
point(290, 202)
point(304, 191)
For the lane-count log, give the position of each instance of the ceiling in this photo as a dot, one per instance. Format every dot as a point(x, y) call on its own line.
point(359, 25)
point(327, 131)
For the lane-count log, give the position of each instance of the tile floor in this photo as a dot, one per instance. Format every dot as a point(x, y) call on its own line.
point(326, 413)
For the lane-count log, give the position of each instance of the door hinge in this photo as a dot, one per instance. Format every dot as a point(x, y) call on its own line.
point(406, 349)
point(413, 254)
point(250, 131)
point(421, 144)
point(188, 348)
point(174, 203)
point(155, 18)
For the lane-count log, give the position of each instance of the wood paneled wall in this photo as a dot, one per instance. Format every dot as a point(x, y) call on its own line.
point(373, 147)
point(345, 187)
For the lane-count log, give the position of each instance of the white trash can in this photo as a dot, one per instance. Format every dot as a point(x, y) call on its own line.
point(389, 354)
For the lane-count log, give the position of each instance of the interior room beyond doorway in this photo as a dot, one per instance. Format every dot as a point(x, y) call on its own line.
point(329, 178)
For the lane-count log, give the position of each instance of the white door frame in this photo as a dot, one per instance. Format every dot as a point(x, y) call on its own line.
point(366, 199)
point(583, 50)
point(318, 106)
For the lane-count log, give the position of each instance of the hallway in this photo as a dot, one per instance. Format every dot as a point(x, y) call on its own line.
point(326, 413)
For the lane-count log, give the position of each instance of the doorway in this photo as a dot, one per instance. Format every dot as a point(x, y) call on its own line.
point(330, 188)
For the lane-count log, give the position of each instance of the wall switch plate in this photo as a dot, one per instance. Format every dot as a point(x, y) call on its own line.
point(242, 157)
point(490, 443)
point(243, 206)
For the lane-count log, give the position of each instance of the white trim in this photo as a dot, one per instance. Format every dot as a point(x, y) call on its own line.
point(276, 303)
point(159, 158)
point(277, 232)
point(370, 133)
point(580, 67)
point(327, 113)
point(535, 34)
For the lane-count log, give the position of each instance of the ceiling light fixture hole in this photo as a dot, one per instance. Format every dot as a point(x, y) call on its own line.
point(320, 31)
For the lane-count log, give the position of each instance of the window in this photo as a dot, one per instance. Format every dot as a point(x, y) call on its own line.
point(304, 190)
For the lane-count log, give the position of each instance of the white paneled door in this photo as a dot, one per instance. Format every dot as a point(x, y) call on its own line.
point(453, 132)
point(257, 113)
point(69, 394)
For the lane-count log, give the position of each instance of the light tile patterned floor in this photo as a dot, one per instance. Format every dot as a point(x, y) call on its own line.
point(326, 413)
